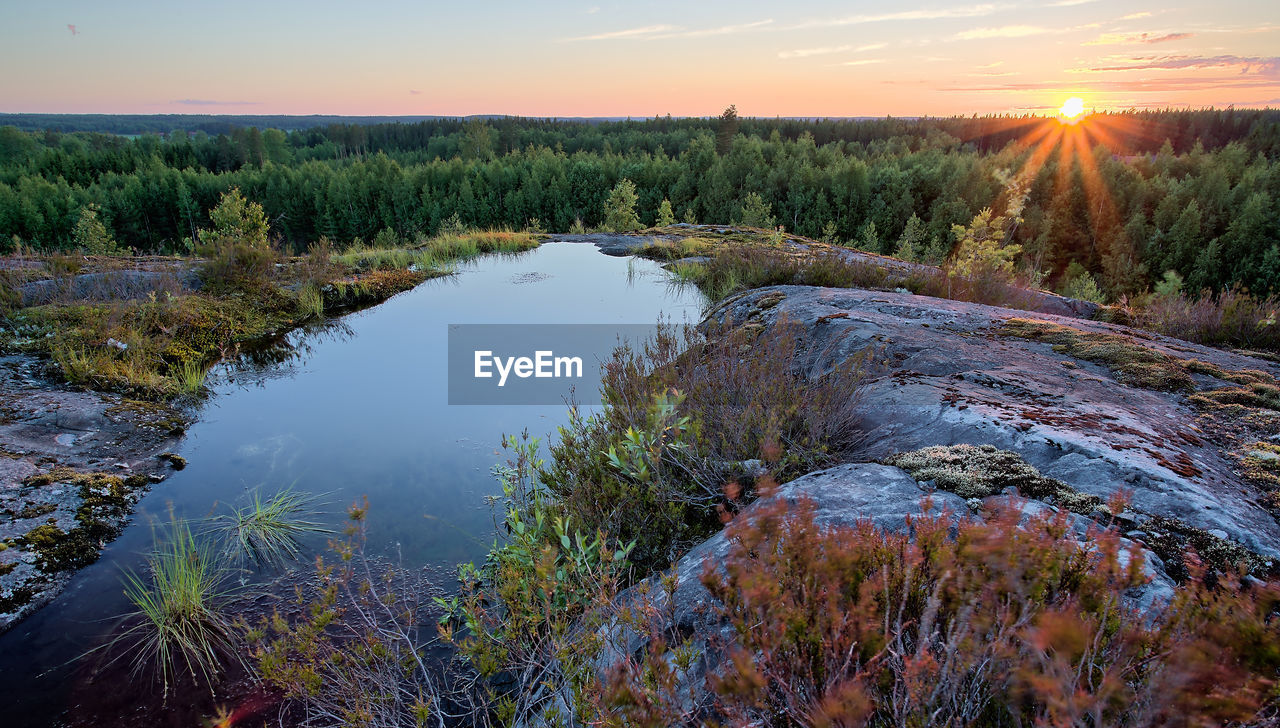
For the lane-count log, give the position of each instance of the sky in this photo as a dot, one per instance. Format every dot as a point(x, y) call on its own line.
point(641, 59)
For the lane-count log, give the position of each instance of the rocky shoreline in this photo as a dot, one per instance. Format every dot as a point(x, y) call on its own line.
point(72, 466)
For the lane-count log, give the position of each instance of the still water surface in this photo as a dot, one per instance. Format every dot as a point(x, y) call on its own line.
point(360, 409)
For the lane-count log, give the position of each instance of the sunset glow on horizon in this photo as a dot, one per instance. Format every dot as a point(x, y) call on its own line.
point(812, 58)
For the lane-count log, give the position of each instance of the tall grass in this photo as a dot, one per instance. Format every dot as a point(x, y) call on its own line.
point(439, 253)
point(190, 376)
point(269, 531)
point(180, 625)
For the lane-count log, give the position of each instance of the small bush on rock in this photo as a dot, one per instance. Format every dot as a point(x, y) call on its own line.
point(980, 624)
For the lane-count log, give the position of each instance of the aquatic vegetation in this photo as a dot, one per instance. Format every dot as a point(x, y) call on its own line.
point(179, 623)
point(351, 648)
point(268, 531)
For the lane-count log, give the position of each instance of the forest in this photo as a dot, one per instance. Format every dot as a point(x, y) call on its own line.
point(1123, 197)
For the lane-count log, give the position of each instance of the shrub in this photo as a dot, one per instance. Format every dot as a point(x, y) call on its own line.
point(348, 649)
point(1230, 318)
point(686, 417)
point(91, 236)
point(980, 624)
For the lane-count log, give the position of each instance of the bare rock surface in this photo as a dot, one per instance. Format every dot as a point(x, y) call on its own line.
point(108, 286)
point(72, 465)
point(948, 375)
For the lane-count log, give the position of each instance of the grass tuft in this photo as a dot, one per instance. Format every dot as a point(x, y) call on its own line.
point(180, 625)
point(268, 531)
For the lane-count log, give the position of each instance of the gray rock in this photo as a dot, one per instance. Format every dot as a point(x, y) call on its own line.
point(951, 379)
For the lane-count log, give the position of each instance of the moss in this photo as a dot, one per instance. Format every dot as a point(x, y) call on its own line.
point(1255, 396)
point(6, 569)
point(978, 472)
point(176, 461)
point(104, 501)
point(1172, 540)
point(1130, 362)
point(1137, 365)
point(16, 600)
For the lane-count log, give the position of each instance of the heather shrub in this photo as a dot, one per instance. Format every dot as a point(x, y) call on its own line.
point(1230, 318)
point(975, 624)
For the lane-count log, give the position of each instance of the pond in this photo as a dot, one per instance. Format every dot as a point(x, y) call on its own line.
point(359, 407)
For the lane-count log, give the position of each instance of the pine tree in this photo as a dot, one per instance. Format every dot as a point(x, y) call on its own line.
point(91, 235)
point(756, 212)
point(979, 250)
point(236, 220)
point(868, 238)
point(911, 242)
point(620, 209)
point(665, 215)
point(726, 130)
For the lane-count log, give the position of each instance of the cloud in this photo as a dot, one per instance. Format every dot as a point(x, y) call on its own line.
point(971, 11)
point(1135, 16)
point(1135, 38)
point(663, 32)
point(1005, 31)
point(1145, 85)
point(827, 50)
point(997, 64)
point(865, 62)
point(593, 10)
point(1264, 66)
point(722, 30)
point(414, 92)
point(1069, 3)
point(210, 102)
point(646, 31)
point(72, 28)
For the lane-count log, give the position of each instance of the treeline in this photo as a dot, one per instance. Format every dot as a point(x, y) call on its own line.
point(1192, 192)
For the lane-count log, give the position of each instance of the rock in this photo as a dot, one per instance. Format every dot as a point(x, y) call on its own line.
point(117, 344)
point(109, 286)
point(43, 426)
point(948, 376)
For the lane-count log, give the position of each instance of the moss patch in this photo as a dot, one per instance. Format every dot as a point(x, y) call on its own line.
point(104, 502)
point(1130, 362)
point(982, 471)
point(1172, 540)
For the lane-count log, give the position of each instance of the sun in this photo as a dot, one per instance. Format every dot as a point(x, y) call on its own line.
point(1072, 108)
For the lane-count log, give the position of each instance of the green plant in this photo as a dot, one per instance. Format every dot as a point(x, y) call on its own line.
point(528, 611)
point(349, 649)
point(267, 531)
point(665, 215)
point(620, 208)
point(181, 623)
point(190, 376)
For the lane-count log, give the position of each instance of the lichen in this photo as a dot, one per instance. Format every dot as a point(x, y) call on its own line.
point(982, 471)
point(176, 461)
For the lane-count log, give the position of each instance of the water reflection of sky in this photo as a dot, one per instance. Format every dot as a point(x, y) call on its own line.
point(352, 408)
